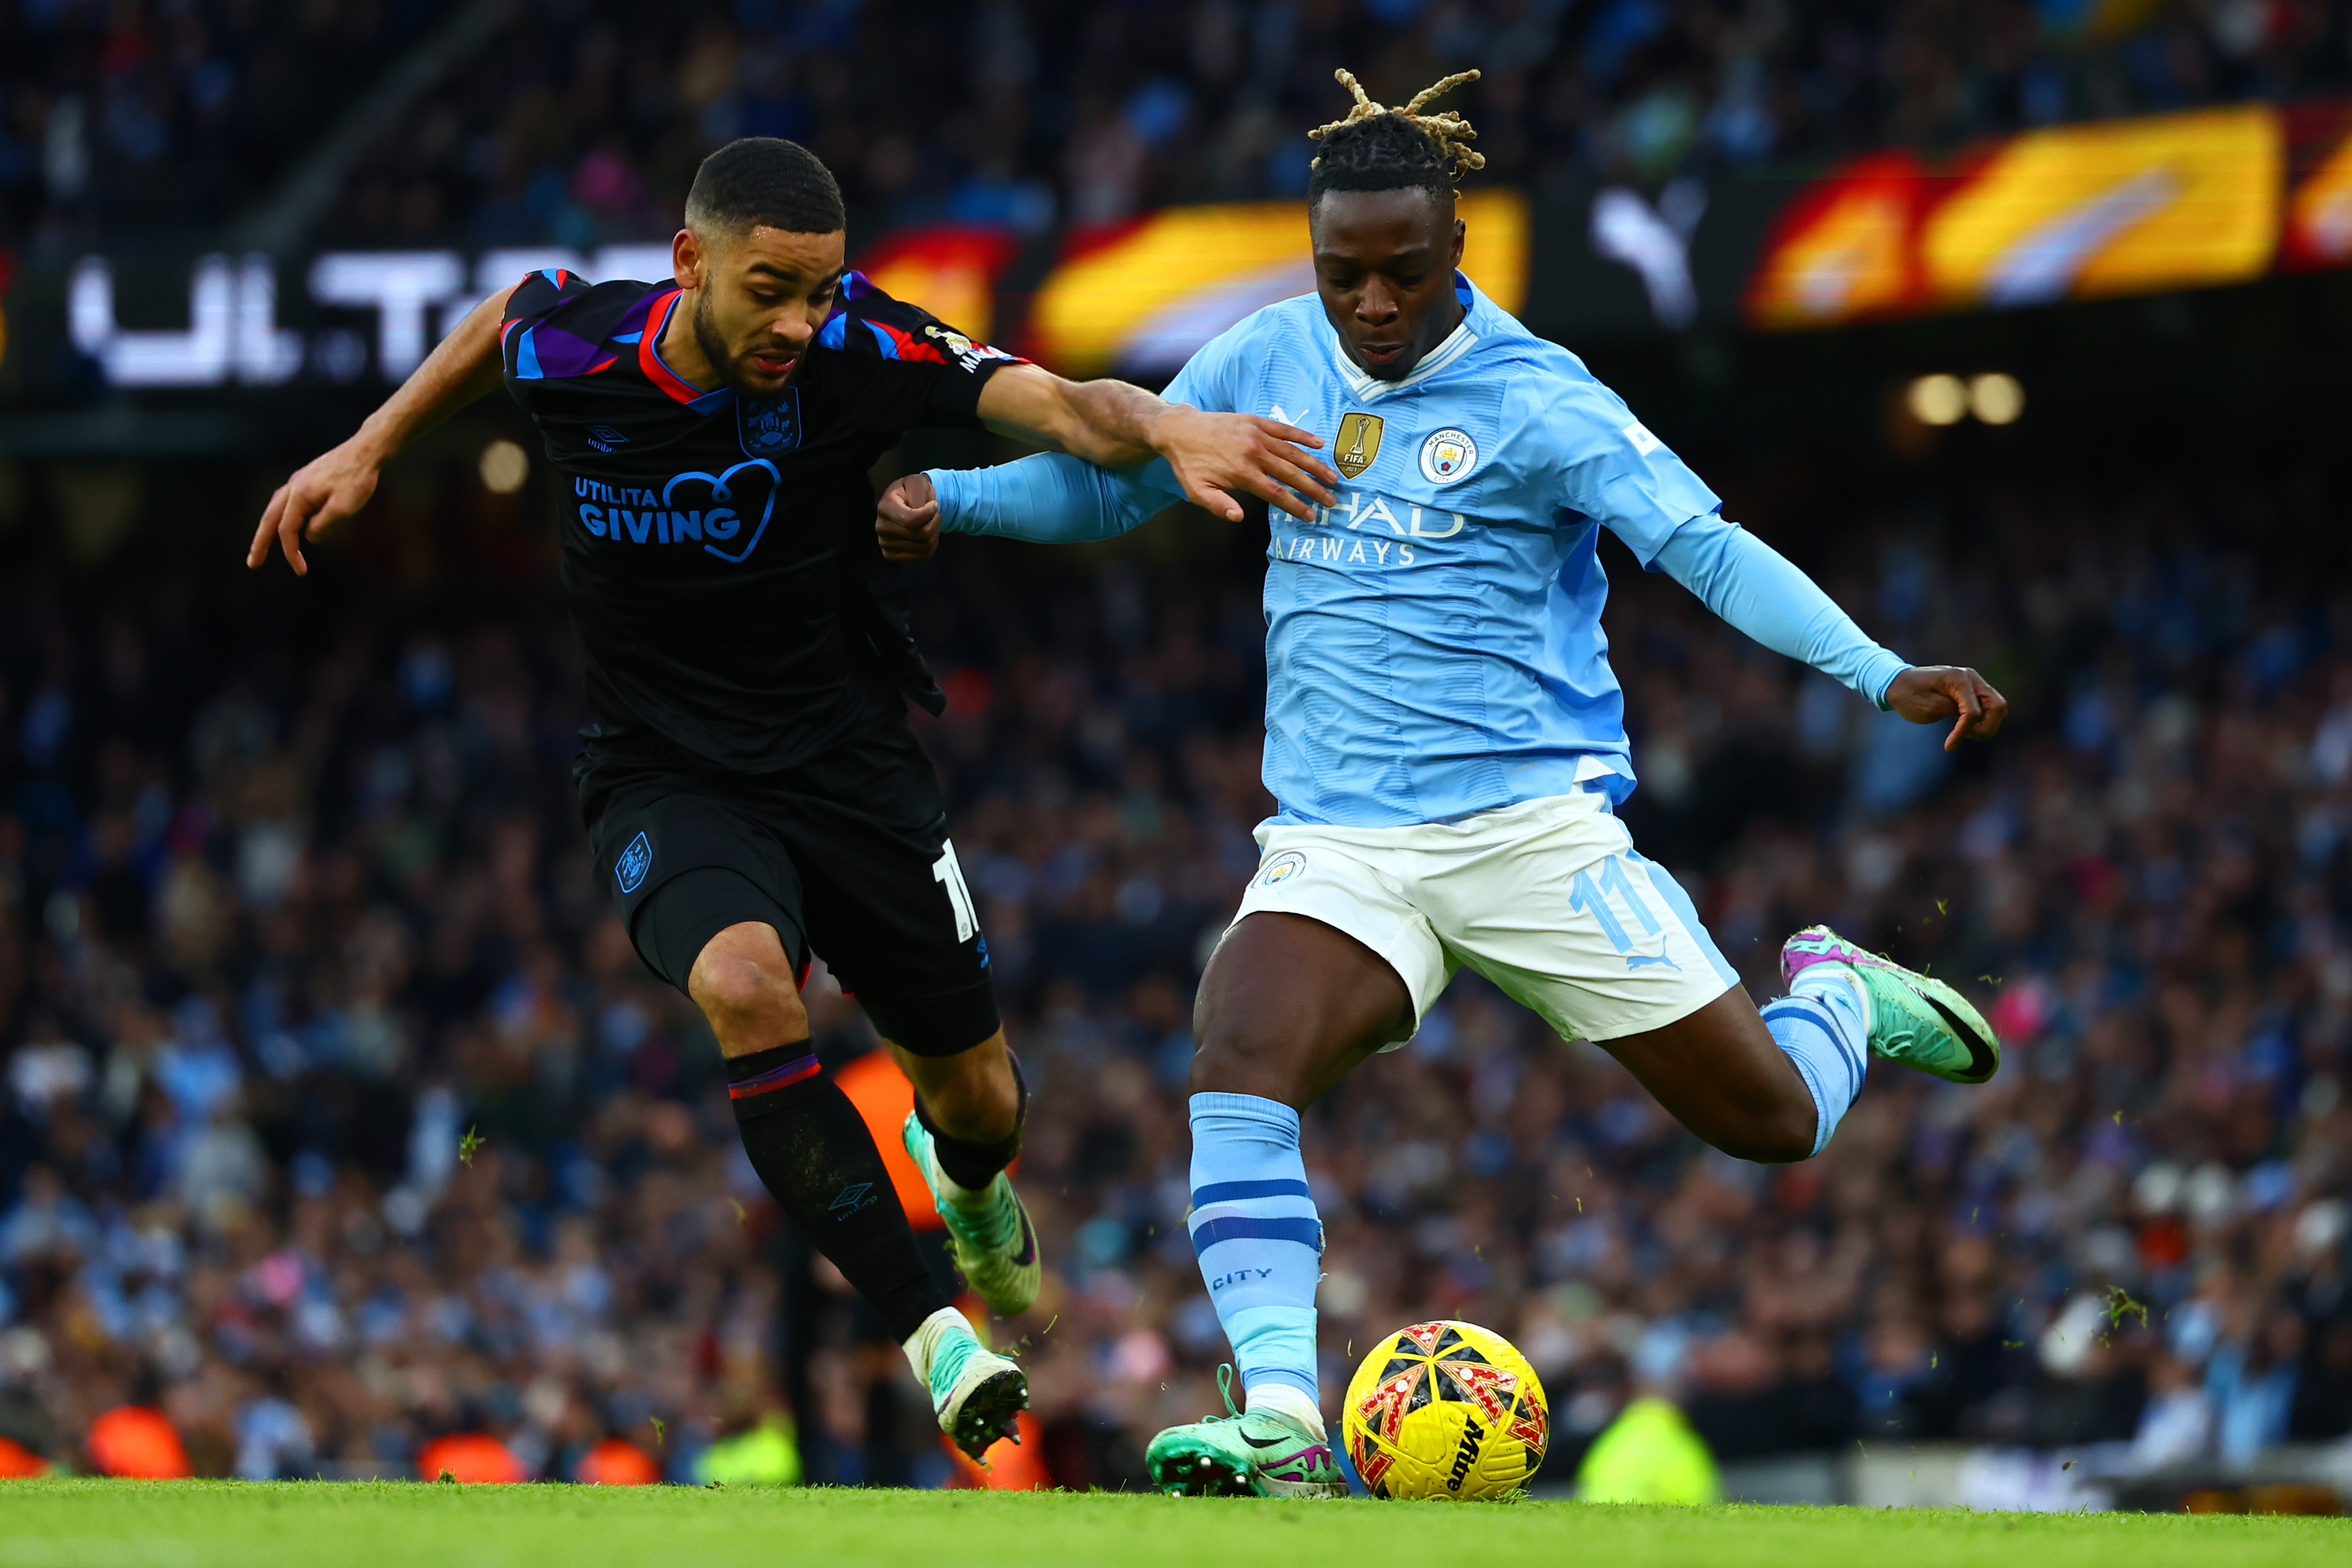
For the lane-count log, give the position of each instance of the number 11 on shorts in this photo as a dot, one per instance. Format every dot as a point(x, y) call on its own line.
point(949, 876)
point(1585, 898)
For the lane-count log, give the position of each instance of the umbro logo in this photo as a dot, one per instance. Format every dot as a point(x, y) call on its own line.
point(850, 1199)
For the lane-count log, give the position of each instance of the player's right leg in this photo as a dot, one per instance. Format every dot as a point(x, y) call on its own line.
point(713, 907)
point(814, 1153)
point(1288, 1006)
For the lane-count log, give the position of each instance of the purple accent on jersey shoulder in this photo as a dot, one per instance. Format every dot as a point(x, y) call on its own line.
point(834, 333)
point(633, 319)
point(550, 354)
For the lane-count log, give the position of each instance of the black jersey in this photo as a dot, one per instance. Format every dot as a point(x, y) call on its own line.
point(718, 550)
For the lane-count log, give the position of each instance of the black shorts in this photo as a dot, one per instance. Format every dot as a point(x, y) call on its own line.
point(845, 855)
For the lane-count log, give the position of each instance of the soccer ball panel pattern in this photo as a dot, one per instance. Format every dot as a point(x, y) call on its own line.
point(1445, 1410)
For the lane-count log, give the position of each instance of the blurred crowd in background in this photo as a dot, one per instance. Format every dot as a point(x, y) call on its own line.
point(341, 1118)
point(580, 121)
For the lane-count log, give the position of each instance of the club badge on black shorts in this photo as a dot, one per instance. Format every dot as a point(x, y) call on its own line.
point(630, 870)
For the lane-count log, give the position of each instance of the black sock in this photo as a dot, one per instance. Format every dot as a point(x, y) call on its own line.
point(815, 1156)
point(973, 1165)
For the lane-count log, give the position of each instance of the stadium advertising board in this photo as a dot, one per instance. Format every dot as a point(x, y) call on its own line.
point(232, 332)
point(2318, 218)
point(1140, 297)
point(2194, 199)
point(2183, 200)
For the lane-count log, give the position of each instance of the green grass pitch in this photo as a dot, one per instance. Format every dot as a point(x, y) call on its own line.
point(196, 1524)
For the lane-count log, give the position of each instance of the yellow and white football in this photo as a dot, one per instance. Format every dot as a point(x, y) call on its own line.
point(1445, 1410)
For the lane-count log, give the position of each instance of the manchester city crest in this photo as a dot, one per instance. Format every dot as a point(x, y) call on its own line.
point(1447, 455)
point(1281, 868)
point(769, 424)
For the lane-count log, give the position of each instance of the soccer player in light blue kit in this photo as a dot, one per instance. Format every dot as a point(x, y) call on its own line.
point(1446, 742)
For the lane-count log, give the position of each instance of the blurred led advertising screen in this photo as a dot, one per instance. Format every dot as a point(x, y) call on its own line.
point(2319, 202)
point(950, 270)
point(255, 321)
point(2130, 206)
point(1141, 297)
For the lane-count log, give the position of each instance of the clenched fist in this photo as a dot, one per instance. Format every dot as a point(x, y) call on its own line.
point(906, 518)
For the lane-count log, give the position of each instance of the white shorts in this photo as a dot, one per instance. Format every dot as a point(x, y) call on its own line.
point(1547, 899)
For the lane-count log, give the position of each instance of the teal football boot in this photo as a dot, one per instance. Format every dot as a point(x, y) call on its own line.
point(1915, 1018)
point(1251, 1453)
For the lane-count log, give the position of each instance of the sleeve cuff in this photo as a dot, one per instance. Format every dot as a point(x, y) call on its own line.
point(1877, 674)
point(949, 486)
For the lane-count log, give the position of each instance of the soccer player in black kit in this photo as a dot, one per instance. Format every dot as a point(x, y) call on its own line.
point(752, 786)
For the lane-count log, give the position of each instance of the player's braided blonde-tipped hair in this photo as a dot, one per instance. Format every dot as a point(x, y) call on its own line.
point(1448, 132)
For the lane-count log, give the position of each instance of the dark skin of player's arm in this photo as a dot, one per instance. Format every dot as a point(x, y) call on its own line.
point(1289, 1006)
point(751, 305)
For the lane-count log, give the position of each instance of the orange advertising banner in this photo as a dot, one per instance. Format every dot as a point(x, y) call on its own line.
point(950, 271)
point(2078, 211)
point(1141, 298)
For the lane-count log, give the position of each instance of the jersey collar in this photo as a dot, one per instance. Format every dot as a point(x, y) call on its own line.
point(1365, 388)
point(649, 360)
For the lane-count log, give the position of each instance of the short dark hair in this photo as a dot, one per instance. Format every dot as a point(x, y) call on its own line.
point(1379, 149)
point(766, 181)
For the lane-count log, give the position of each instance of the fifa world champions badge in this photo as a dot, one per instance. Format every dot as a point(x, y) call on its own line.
point(1359, 445)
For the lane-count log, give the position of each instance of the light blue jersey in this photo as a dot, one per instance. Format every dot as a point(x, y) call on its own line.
point(1434, 641)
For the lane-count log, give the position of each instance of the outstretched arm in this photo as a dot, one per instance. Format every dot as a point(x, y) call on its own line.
point(1048, 499)
point(1216, 458)
point(1755, 589)
point(332, 486)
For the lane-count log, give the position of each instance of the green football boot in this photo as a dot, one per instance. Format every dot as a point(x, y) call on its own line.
point(1915, 1019)
point(1251, 1453)
point(994, 1245)
point(977, 1395)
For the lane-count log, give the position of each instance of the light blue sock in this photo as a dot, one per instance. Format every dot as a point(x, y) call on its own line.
point(1256, 1235)
point(1823, 1025)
